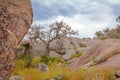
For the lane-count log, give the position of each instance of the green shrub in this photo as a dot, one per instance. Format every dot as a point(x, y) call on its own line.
point(51, 60)
point(102, 37)
point(35, 60)
point(27, 58)
point(62, 73)
point(98, 61)
point(77, 55)
point(20, 63)
point(46, 59)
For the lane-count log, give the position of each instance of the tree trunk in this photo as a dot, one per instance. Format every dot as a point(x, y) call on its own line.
point(47, 49)
point(15, 20)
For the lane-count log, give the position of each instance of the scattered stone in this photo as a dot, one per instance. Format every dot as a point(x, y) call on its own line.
point(117, 75)
point(59, 77)
point(117, 79)
point(42, 67)
point(16, 78)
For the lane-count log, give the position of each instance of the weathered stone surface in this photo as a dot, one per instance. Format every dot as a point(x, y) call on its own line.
point(54, 54)
point(15, 20)
point(83, 50)
point(72, 60)
point(58, 46)
point(68, 54)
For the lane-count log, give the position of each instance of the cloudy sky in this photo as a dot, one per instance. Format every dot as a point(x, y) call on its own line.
point(86, 16)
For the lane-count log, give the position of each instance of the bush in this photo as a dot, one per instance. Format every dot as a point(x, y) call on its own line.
point(27, 58)
point(57, 70)
point(77, 55)
point(97, 61)
point(35, 60)
point(46, 59)
point(64, 73)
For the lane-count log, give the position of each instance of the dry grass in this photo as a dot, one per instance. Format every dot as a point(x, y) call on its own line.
point(60, 70)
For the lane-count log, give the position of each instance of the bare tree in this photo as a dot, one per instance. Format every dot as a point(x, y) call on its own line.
point(56, 30)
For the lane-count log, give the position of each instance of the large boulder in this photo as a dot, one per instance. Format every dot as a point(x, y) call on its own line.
point(15, 20)
point(54, 54)
point(38, 48)
point(58, 45)
point(68, 54)
point(61, 46)
point(104, 54)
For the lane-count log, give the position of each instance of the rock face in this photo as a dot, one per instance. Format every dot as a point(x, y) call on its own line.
point(105, 54)
point(15, 20)
point(64, 47)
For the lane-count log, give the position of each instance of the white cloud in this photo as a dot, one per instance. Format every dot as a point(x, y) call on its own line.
point(113, 1)
point(51, 2)
point(97, 17)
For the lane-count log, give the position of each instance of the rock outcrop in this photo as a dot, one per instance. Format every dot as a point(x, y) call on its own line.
point(105, 54)
point(15, 20)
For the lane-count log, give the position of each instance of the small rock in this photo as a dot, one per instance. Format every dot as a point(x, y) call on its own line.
point(16, 78)
point(59, 77)
point(52, 79)
point(42, 67)
point(117, 75)
point(117, 79)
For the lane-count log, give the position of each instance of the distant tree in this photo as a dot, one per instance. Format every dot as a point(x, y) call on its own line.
point(56, 30)
point(106, 30)
point(99, 33)
point(110, 33)
point(118, 19)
